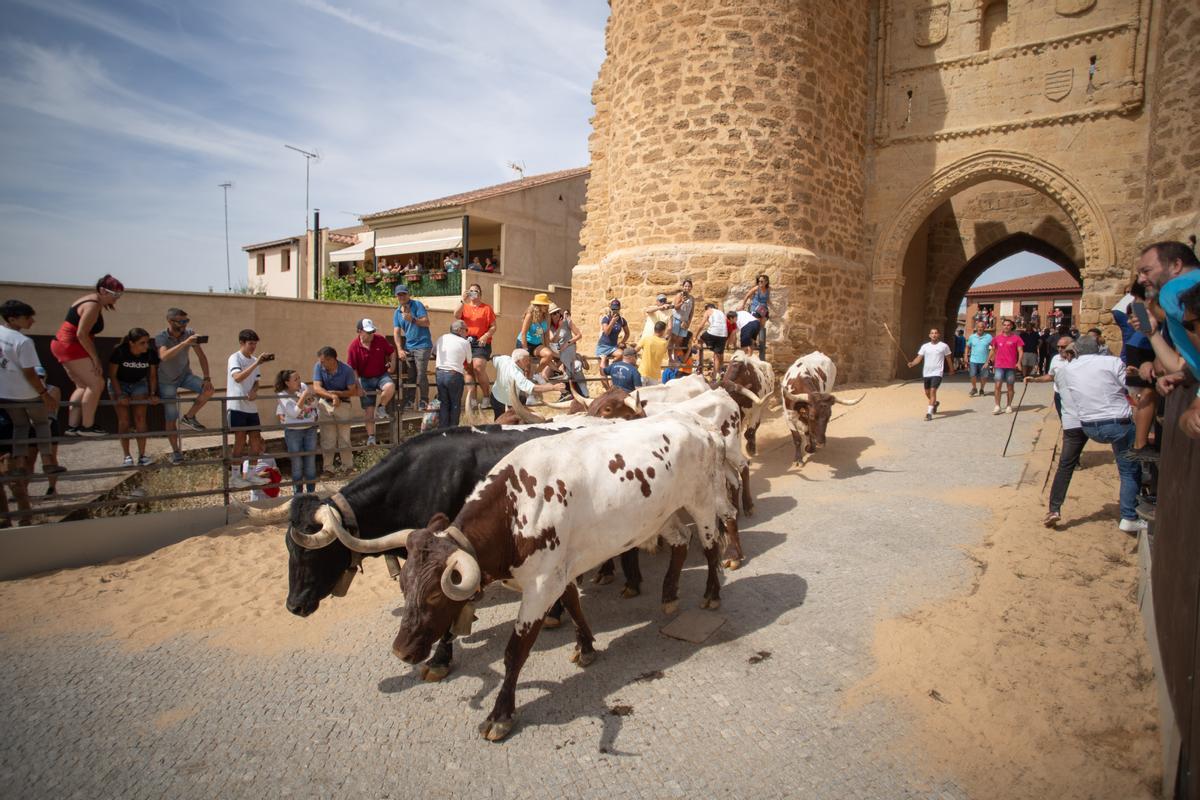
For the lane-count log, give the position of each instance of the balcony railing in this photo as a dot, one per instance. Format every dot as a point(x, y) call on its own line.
point(378, 289)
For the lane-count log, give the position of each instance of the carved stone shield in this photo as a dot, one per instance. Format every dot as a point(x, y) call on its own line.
point(1059, 83)
point(931, 25)
point(1069, 8)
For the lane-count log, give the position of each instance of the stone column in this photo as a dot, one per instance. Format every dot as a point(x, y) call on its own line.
point(729, 140)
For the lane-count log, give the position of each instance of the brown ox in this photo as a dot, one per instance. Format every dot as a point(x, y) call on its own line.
point(808, 401)
point(543, 515)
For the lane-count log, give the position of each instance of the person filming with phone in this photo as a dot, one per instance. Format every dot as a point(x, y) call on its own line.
point(242, 390)
point(175, 346)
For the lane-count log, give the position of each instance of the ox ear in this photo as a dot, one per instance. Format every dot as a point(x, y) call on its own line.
point(438, 522)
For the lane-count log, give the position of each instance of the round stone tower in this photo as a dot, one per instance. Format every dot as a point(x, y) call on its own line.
point(729, 140)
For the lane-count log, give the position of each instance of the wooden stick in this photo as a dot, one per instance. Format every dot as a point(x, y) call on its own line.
point(1014, 422)
point(897, 343)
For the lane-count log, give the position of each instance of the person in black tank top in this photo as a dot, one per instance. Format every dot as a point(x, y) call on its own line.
point(75, 348)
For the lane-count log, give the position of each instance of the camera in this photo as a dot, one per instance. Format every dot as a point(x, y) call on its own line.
point(201, 340)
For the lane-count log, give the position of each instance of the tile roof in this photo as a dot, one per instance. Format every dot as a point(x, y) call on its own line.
point(1055, 281)
point(484, 193)
point(273, 243)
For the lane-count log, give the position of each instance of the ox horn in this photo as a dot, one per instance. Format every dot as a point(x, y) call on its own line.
point(265, 516)
point(795, 398)
point(633, 402)
point(460, 561)
point(370, 546)
point(755, 399)
point(524, 414)
point(331, 528)
point(837, 399)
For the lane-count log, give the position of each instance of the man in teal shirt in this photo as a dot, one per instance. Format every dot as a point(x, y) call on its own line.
point(410, 330)
point(979, 345)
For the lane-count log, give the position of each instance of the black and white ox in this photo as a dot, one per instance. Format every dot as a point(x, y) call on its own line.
point(431, 473)
point(808, 401)
point(544, 514)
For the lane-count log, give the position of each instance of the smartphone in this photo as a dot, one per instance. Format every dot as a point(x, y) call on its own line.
point(201, 340)
point(268, 357)
point(1143, 316)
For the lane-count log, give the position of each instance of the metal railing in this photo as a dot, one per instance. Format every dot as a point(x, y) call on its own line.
point(70, 503)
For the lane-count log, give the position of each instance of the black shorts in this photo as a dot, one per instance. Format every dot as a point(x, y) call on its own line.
point(243, 419)
point(934, 382)
point(714, 342)
point(6, 435)
point(483, 351)
point(750, 333)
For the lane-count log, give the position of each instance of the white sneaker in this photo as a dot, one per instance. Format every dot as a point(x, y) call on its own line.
point(1133, 525)
point(238, 482)
point(254, 479)
point(1008, 410)
point(996, 410)
point(381, 414)
point(128, 462)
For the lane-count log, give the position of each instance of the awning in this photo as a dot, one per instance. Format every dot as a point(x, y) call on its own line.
point(355, 252)
point(421, 237)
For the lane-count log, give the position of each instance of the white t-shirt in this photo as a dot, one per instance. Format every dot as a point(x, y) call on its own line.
point(16, 353)
point(451, 351)
point(295, 414)
point(935, 359)
point(744, 319)
point(716, 323)
point(233, 389)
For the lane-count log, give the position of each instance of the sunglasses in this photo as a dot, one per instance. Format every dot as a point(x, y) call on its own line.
point(110, 291)
point(183, 321)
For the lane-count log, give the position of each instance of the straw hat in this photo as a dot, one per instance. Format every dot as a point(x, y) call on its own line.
point(541, 299)
point(555, 309)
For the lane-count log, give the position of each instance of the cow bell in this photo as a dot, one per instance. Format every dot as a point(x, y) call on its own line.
point(462, 625)
point(343, 584)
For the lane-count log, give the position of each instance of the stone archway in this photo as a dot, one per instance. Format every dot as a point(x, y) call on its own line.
point(1081, 208)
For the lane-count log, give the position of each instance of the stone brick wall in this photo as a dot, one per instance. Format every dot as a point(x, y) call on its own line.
point(1173, 168)
point(729, 139)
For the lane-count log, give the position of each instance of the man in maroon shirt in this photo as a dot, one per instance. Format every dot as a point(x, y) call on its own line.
point(373, 357)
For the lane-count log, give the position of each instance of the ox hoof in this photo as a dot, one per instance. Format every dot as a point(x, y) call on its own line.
point(551, 622)
point(732, 563)
point(711, 603)
point(581, 658)
point(495, 730)
point(432, 673)
point(671, 607)
point(630, 591)
point(602, 579)
point(749, 512)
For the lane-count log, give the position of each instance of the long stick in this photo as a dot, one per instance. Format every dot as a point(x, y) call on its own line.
point(896, 342)
point(1025, 388)
point(1050, 468)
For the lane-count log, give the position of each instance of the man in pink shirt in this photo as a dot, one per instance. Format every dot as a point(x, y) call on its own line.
point(1007, 349)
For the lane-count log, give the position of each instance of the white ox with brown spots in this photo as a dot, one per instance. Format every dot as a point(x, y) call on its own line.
point(547, 513)
point(808, 401)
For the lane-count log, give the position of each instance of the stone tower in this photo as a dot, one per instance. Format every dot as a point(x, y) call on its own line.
point(875, 157)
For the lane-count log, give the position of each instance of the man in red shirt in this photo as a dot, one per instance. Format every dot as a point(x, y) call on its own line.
point(373, 358)
point(1007, 349)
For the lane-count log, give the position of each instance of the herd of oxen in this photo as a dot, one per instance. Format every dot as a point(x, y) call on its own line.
point(532, 505)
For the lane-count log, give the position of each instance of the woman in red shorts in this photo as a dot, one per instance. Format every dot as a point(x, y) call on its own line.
point(75, 348)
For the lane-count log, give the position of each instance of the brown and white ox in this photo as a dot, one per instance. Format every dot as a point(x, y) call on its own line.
point(808, 401)
point(544, 515)
point(756, 379)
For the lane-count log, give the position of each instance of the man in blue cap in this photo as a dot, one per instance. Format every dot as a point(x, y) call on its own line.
point(410, 330)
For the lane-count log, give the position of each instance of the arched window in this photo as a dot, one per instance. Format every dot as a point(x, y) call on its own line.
point(993, 29)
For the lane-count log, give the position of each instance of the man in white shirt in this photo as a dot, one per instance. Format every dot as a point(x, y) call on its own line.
point(1073, 436)
point(1093, 388)
point(512, 374)
point(242, 390)
point(24, 394)
point(452, 353)
point(936, 354)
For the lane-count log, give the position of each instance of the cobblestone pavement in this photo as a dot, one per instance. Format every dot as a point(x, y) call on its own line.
point(869, 528)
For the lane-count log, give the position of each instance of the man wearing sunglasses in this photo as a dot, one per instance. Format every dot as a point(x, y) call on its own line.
point(175, 345)
point(1073, 436)
point(1168, 270)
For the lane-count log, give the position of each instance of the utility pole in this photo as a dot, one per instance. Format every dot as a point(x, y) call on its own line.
point(308, 157)
point(225, 187)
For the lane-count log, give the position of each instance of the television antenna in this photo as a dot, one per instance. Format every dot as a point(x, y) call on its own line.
point(517, 167)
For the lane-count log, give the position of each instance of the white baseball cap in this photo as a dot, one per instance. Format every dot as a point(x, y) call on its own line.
point(366, 325)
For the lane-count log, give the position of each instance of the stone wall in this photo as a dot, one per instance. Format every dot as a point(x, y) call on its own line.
point(729, 140)
point(1173, 170)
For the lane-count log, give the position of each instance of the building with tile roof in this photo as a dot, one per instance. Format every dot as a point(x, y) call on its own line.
point(1023, 297)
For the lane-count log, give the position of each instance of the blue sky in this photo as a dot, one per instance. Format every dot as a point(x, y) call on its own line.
point(118, 120)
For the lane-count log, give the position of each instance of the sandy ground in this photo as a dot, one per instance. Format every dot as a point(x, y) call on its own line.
point(1031, 681)
point(1035, 681)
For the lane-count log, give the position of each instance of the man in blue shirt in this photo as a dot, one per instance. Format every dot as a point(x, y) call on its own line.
point(335, 383)
point(624, 371)
point(978, 345)
point(410, 329)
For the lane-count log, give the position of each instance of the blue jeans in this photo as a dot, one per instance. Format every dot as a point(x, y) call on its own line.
point(1120, 436)
point(302, 440)
point(450, 385)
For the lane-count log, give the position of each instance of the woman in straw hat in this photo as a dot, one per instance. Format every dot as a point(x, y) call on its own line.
point(534, 328)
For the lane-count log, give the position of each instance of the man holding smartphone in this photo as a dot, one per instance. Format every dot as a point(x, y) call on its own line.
point(242, 391)
point(175, 345)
